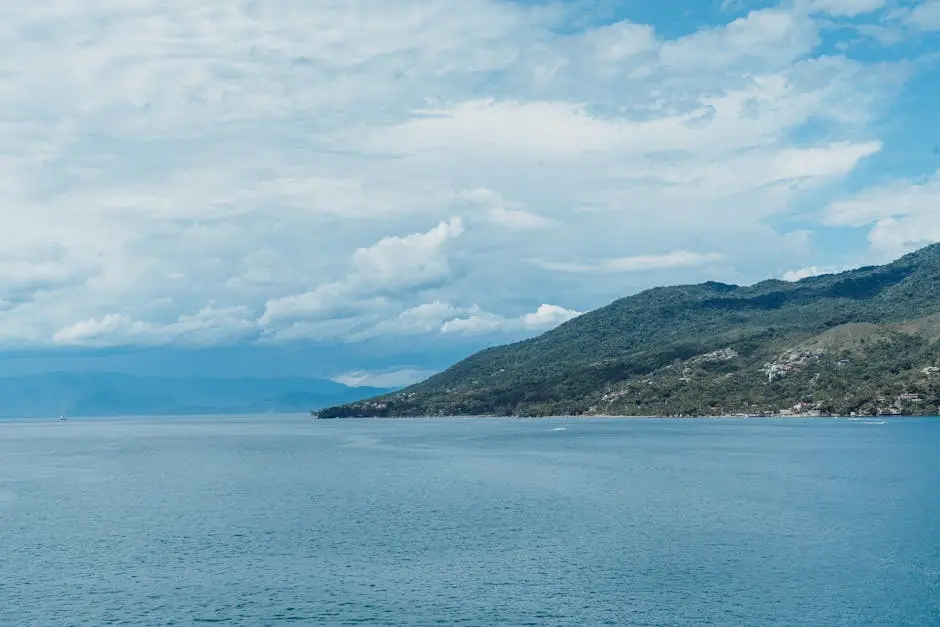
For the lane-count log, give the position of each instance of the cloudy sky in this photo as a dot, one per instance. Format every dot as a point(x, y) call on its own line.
point(378, 187)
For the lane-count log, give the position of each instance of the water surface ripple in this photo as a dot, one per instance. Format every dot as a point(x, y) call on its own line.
point(272, 519)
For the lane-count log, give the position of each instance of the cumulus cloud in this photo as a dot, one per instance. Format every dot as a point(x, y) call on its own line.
point(410, 261)
point(548, 316)
point(390, 265)
point(371, 301)
point(383, 379)
point(90, 329)
point(481, 322)
point(427, 319)
point(272, 162)
point(804, 273)
point(901, 215)
point(423, 319)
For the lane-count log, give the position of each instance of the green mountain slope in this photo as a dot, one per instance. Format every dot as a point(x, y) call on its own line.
point(860, 341)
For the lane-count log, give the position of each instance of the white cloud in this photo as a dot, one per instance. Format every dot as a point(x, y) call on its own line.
point(481, 323)
point(902, 215)
point(208, 326)
point(546, 130)
point(497, 210)
point(896, 236)
point(24, 273)
point(926, 16)
point(426, 319)
point(94, 328)
point(383, 379)
point(639, 263)
point(260, 158)
point(423, 319)
point(827, 161)
point(804, 273)
point(772, 38)
point(544, 318)
point(390, 265)
point(621, 41)
point(401, 262)
point(845, 8)
point(518, 219)
point(547, 317)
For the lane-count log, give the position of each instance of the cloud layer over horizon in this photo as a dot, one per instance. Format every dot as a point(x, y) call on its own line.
point(217, 173)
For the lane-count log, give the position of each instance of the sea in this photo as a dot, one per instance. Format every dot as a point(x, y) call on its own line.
point(269, 520)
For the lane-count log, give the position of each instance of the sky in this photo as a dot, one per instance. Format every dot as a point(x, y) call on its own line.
point(368, 190)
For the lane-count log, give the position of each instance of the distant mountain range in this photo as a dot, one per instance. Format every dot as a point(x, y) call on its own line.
point(865, 341)
point(97, 394)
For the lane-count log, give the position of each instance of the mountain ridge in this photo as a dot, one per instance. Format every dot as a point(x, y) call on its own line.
point(113, 394)
point(661, 335)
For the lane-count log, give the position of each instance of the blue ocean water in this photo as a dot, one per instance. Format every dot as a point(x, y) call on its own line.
point(271, 519)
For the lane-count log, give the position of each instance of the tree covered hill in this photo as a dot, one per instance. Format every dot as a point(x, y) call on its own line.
point(861, 341)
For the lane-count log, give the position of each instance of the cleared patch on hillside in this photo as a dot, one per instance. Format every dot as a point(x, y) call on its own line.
point(854, 337)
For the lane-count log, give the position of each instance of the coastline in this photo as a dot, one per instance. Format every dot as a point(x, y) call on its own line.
point(632, 417)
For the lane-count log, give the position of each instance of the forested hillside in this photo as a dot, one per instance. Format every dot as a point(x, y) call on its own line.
point(863, 341)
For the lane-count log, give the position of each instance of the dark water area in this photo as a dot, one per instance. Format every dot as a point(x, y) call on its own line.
point(283, 519)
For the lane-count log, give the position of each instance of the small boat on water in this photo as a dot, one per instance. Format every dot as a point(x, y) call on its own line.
point(62, 417)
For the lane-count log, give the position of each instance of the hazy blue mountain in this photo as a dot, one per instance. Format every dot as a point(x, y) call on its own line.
point(102, 394)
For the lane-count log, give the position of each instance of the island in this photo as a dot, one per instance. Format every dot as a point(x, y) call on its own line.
point(864, 342)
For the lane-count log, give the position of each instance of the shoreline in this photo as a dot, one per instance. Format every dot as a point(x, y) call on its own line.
point(620, 417)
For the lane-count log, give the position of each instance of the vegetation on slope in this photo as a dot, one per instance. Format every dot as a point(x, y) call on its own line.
point(861, 341)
